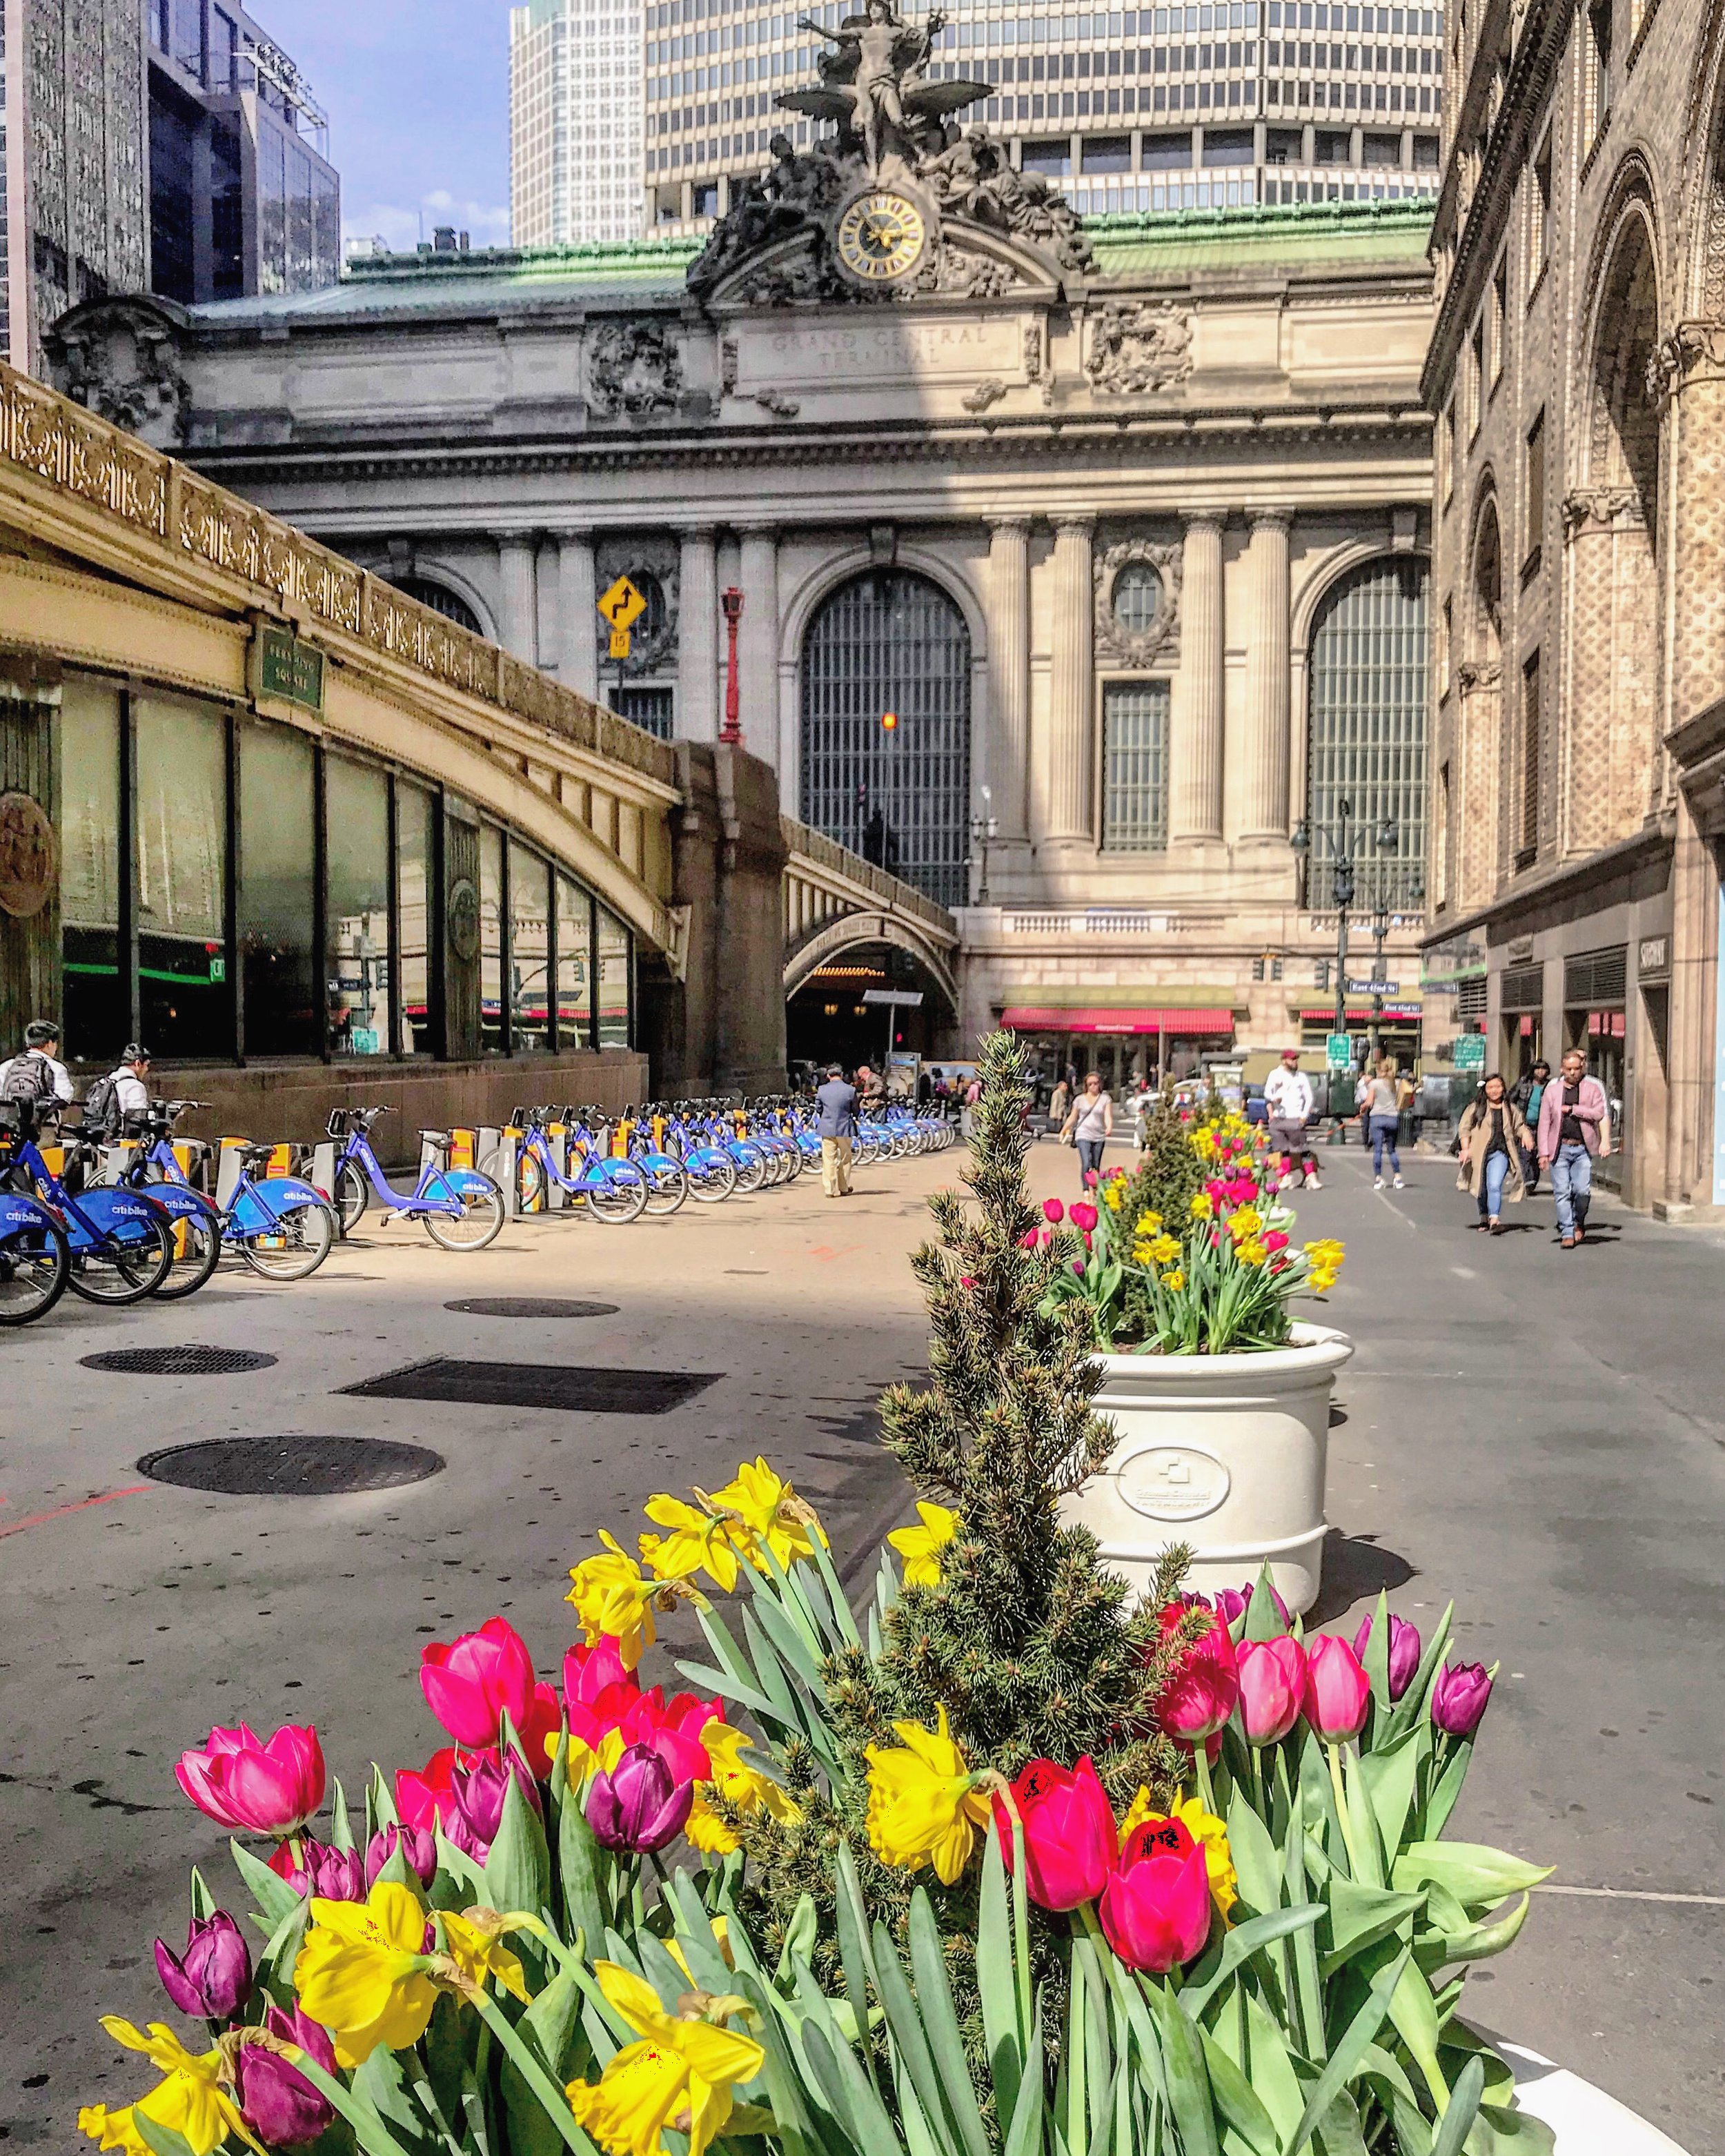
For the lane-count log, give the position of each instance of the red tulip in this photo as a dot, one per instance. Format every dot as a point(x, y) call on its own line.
point(1053, 1211)
point(1337, 1690)
point(674, 1732)
point(1070, 1839)
point(539, 1728)
point(426, 1796)
point(1272, 1686)
point(1200, 1695)
point(589, 1671)
point(1084, 1216)
point(250, 1787)
point(470, 1684)
point(1156, 1908)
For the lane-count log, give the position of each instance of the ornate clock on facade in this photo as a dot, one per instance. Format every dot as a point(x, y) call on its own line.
point(880, 236)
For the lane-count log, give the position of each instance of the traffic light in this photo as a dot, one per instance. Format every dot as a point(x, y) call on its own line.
point(1321, 972)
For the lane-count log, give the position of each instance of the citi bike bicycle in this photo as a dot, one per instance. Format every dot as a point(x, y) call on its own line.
point(120, 1243)
point(614, 1192)
point(460, 1208)
point(35, 1257)
point(282, 1226)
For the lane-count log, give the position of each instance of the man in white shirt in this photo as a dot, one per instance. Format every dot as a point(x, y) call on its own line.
point(1287, 1095)
point(131, 1083)
point(37, 1076)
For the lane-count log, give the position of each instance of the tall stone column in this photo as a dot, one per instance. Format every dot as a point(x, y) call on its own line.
point(1688, 371)
point(1010, 671)
point(758, 641)
point(1264, 804)
point(1071, 693)
point(517, 600)
point(577, 614)
point(1195, 788)
point(697, 633)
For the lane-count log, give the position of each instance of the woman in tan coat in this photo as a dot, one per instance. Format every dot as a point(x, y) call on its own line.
point(1493, 1139)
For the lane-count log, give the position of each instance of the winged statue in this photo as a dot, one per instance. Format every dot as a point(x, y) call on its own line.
point(872, 84)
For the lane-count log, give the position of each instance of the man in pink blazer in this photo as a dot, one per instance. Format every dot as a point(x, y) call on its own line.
point(1575, 1125)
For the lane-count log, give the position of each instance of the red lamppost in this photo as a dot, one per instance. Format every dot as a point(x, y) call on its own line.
point(731, 602)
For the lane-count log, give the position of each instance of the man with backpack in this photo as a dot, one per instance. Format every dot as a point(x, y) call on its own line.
point(35, 1080)
point(115, 1107)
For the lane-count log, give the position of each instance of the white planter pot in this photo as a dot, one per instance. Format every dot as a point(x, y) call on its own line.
point(1225, 1453)
point(1585, 2120)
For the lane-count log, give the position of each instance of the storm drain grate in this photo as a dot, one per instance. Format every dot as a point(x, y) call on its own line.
point(178, 1362)
point(537, 1385)
point(529, 1305)
point(291, 1466)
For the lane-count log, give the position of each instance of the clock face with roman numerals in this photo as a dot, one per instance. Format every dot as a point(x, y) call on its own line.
point(881, 237)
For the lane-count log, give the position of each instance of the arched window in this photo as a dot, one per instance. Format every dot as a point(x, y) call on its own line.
point(1368, 666)
point(890, 642)
point(441, 600)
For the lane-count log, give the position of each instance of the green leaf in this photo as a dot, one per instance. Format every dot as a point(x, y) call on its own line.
point(340, 1833)
point(940, 2022)
point(853, 1927)
point(1415, 2012)
point(993, 1978)
point(1499, 2131)
point(1376, 1662)
point(271, 1893)
point(1414, 1704)
point(583, 1870)
point(1256, 1862)
point(1479, 1942)
point(1389, 1774)
point(1244, 1941)
point(1184, 2073)
point(161, 2138)
point(850, 2096)
point(204, 1902)
point(1338, 2131)
point(1025, 2135)
point(517, 1867)
point(1479, 1877)
point(1270, 2069)
point(1263, 1619)
point(1344, 2060)
point(1434, 1813)
point(799, 1935)
point(1243, 2111)
point(1361, 1916)
point(381, 2082)
point(1464, 2108)
point(275, 1964)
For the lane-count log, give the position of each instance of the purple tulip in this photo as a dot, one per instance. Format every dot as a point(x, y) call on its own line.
point(480, 1789)
point(1404, 1651)
point(213, 1976)
point(640, 1804)
point(418, 1847)
point(280, 2105)
point(1233, 1602)
point(332, 1874)
point(1459, 1698)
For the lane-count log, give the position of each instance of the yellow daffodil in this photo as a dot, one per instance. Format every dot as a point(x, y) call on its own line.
point(923, 1805)
point(1321, 1281)
point(697, 1542)
point(1175, 1282)
point(1113, 1197)
point(681, 2075)
point(363, 1973)
point(767, 1509)
point(189, 2099)
point(1204, 1828)
point(1165, 1250)
point(1252, 1252)
point(920, 1547)
point(474, 1943)
point(1148, 1223)
point(1202, 1206)
point(735, 1780)
point(613, 1598)
point(1247, 1221)
point(1328, 1253)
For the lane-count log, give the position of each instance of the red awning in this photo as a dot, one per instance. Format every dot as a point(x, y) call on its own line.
point(1362, 1014)
point(1055, 1019)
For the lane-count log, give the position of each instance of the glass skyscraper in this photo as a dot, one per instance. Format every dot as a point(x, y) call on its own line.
point(574, 121)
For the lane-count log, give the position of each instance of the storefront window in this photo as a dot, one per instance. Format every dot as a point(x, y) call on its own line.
point(490, 939)
point(529, 950)
point(97, 1000)
point(616, 982)
point(574, 966)
point(413, 871)
point(185, 1001)
point(357, 817)
point(278, 898)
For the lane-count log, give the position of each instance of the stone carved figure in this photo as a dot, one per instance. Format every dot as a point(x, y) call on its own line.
point(1136, 348)
point(973, 177)
point(1117, 644)
point(634, 370)
point(873, 84)
point(119, 358)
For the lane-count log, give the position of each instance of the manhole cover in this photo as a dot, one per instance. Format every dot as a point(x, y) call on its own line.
point(178, 1362)
point(537, 1385)
point(529, 1305)
point(290, 1466)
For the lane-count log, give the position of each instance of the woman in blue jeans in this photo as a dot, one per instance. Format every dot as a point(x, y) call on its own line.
point(1380, 1112)
point(1492, 1140)
point(1090, 1123)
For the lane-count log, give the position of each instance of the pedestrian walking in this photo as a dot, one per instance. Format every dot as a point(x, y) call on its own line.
point(116, 1106)
point(1574, 1129)
point(1527, 1092)
point(35, 1083)
point(1287, 1096)
point(1059, 1101)
point(1492, 1140)
point(837, 1102)
point(1090, 1120)
point(1380, 1116)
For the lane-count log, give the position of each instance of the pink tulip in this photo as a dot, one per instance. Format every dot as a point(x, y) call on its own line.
point(1029, 1239)
point(1070, 1839)
point(1276, 1241)
point(1404, 1651)
point(1053, 1211)
point(1272, 1684)
point(1083, 1216)
point(1201, 1694)
point(471, 1683)
point(1337, 1690)
point(589, 1671)
point(1156, 1908)
point(1090, 1179)
point(1077, 1269)
point(250, 1787)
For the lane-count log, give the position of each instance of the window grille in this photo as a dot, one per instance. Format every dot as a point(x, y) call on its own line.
point(1368, 674)
point(1596, 977)
point(1135, 766)
point(1523, 988)
point(890, 641)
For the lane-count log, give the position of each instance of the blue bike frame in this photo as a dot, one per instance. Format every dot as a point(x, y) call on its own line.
point(597, 1170)
point(438, 1190)
point(254, 1211)
point(93, 1219)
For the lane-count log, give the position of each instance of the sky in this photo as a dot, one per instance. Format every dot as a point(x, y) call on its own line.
point(418, 95)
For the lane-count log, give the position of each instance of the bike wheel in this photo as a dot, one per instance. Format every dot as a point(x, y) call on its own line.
point(751, 1172)
point(197, 1253)
point(129, 1261)
point(617, 1202)
point(478, 1223)
point(711, 1181)
point(35, 1266)
point(353, 1194)
point(530, 1193)
point(666, 1190)
point(296, 1245)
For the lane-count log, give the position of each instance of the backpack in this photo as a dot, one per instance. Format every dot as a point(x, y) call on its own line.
point(26, 1082)
point(101, 1108)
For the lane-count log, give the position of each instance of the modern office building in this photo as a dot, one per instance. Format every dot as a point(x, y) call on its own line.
point(73, 224)
point(574, 121)
point(243, 200)
point(1212, 106)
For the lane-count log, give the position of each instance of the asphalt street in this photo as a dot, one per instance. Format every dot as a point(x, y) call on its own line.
point(1534, 1433)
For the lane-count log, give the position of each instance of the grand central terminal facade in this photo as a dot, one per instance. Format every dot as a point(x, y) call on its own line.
point(1082, 567)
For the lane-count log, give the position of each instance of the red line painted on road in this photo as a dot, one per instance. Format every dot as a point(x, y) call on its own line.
point(83, 1505)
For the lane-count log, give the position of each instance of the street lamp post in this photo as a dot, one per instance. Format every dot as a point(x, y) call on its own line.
point(984, 830)
point(732, 730)
point(1341, 888)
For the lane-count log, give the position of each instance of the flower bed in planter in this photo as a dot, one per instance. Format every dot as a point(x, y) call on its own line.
point(1010, 1864)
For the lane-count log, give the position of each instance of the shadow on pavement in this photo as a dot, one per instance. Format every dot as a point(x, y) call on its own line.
point(1355, 1570)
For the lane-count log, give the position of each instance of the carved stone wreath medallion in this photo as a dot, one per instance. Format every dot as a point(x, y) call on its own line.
point(1115, 645)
